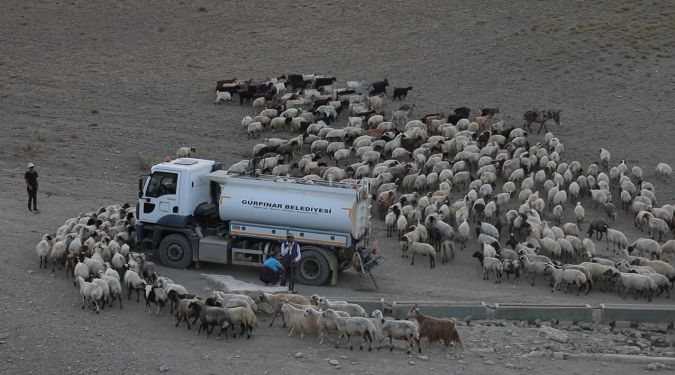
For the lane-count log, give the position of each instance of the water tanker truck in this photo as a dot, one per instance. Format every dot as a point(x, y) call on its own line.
point(189, 210)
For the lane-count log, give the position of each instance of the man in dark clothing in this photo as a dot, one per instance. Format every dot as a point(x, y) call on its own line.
point(32, 186)
point(290, 257)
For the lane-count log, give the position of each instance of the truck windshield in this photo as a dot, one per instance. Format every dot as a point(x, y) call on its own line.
point(161, 183)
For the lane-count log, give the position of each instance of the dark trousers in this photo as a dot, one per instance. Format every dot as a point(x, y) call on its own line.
point(289, 277)
point(32, 198)
point(268, 276)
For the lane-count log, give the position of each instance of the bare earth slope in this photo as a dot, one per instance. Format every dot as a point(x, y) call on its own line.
point(93, 92)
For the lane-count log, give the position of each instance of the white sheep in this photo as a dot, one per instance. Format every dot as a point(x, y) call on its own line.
point(352, 309)
point(419, 248)
point(617, 239)
point(604, 159)
point(223, 96)
point(490, 264)
point(664, 171)
point(569, 277)
point(81, 270)
point(43, 248)
point(352, 326)
point(657, 225)
point(396, 329)
point(646, 247)
point(298, 320)
point(114, 288)
point(636, 283)
point(254, 129)
point(90, 292)
point(132, 281)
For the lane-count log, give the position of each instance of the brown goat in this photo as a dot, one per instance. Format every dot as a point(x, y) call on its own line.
point(436, 329)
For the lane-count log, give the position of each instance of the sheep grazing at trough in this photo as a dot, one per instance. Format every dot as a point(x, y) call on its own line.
point(350, 327)
point(435, 329)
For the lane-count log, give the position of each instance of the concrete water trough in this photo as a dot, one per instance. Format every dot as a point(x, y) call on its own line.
point(441, 309)
point(611, 313)
point(532, 312)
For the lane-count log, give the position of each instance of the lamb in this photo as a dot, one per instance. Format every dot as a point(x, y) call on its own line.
point(90, 292)
point(132, 281)
point(419, 248)
point(350, 308)
point(275, 301)
point(636, 283)
point(490, 264)
point(568, 276)
point(664, 171)
point(352, 326)
point(435, 329)
point(211, 316)
point(43, 249)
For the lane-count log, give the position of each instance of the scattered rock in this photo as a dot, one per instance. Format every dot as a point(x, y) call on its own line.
point(558, 355)
point(334, 362)
point(412, 363)
point(656, 366)
point(509, 365)
point(164, 368)
point(627, 349)
point(298, 355)
point(554, 334)
point(489, 362)
point(30, 272)
point(423, 357)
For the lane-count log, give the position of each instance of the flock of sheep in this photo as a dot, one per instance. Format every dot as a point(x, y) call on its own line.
point(95, 250)
point(413, 167)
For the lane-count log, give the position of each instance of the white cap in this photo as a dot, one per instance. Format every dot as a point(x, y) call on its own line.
point(31, 165)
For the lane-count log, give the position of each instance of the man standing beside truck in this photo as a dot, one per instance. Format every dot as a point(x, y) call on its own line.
point(290, 256)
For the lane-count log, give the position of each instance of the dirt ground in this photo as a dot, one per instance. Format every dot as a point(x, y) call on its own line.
point(94, 92)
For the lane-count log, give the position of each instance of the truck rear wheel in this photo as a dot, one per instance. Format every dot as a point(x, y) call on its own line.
point(175, 251)
point(313, 268)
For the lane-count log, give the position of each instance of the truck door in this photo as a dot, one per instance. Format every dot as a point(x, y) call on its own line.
point(160, 197)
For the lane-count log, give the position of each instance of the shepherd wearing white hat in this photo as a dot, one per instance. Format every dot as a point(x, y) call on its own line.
point(32, 186)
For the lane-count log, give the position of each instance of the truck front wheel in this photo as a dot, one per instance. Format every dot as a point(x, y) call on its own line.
point(313, 268)
point(175, 251)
